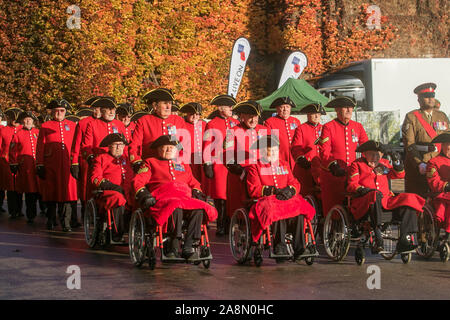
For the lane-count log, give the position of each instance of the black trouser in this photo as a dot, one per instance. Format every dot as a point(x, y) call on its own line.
point(193, 219)
point(2, 198)
point(64, 212)
point(31, 200)
point(222, 218)
point(42, 205)
point(14, 200)
point(118, 218)
point(83, 209)
point(74, 216)
point(295, 226)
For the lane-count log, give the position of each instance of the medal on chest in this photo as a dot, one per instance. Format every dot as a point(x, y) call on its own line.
point(354, 137)
point(178, 167)
point(171, 130)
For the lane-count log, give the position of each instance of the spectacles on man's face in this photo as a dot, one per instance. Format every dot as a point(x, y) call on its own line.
point(117, 145)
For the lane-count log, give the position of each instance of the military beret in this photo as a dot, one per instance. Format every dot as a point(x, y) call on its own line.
point(282, 100)
point(426, 90)
point(13, 113)
point(192, 107)
point(111, 138)
point(268, 141)
point(223, 100)
point(59, 103)
point(26, 114)
point(104, 103)
point(313, 108)
point(442, 138)
point(166, 140)
point(248, 107)
point(341, 102)
point(159, 94)
point(84, 112)
point(371, 145)
point(125, 109)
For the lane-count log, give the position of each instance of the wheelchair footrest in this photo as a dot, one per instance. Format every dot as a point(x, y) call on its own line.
point(303, 256)
point(279, 256)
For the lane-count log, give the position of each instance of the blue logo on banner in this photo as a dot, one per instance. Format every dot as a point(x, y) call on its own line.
point(295, 60)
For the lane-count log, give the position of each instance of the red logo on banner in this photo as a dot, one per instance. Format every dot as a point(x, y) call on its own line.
point(296, 68)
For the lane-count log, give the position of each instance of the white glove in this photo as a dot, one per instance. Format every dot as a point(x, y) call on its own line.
point(422, 168)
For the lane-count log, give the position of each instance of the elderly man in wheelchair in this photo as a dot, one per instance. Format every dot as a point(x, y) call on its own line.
point(368, 182)
point(271, 182)
point(171, 198)
point(111, 176)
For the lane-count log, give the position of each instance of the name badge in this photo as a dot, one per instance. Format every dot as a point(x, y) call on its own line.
point(178, 167)
point(171, 130)
point(67, 127)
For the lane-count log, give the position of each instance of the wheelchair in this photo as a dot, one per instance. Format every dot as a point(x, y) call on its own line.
point(100, 228)
point(431, 238)
point(145, 238)
point(243, 248)
point(318, 219)
point(340, 230)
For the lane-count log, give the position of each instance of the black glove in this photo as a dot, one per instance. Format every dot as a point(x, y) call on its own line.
point(137, 166)
point(268, 190)
point(395, 156)
point(145, 199)
point(235, 168)
point(363, 191)
point(285, 193)
point(208, 169)
point(14, 168)
point(90, 160)
point(197, 194)
point(108, 185)
point(40, 171)
point(336, 170)
point(447, 187)
point(303, 163)
point(75, 171)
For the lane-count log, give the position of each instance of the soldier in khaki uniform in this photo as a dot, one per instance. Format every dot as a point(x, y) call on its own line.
point(419, 128)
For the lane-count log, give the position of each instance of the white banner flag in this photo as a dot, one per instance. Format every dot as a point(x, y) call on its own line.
point(239, 57)
point(294, 66)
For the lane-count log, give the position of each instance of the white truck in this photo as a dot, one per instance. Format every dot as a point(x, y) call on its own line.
point(387, 84)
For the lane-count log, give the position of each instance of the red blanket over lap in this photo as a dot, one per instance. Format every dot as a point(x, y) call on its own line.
point(269, 209)
point(174, 195)
point(111, 199)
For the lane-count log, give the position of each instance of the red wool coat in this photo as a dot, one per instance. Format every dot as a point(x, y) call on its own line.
point(238, 147)
point(360, 174)
point(338, 143)
point(304, 144)
point(79, 156)
point(6, 177)
point(148, 129)
point(171, 184)
point(196, 148)
point(269, 209)
point(117, 171)
point(129, 130)
point(213, 147)
point(53, 151)
point(96, 131)
point(438, 176)
point(286, 130)
point(22, 151)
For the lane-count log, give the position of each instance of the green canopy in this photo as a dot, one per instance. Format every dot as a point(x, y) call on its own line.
point(299, 91)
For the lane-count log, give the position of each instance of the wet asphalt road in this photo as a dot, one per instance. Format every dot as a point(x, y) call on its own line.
point(34, 261)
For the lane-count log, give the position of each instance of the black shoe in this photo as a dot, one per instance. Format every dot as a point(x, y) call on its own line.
point(171, 248)
point(280, 249)
point(190, 254)
point(67, 229)
point(75, 224)
point(220, 232)
point(378, 245)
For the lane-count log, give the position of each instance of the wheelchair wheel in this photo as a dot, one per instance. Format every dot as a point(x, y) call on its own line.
point(316, 219)
point(204, 252)
point(391, 234)
point(360, 256)
point(91, 223)
point(136, 243)
point(427, 233)
point(239, 236)
point(406, 257)
point(336, 236)
point(444, 252)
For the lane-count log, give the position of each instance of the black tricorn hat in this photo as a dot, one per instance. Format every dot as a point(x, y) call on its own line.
point(125, 109)
point(191, 107)
point(138, 115)
point(104, 103)
point(313, 108)
point(282, 100)
point(13, 113)
point(223, 100)
point(90, 101)
point(113, 137)
point(159, 94)
point(248, 107)
point(426, 90)
point(341, 102)
point(73, 118)
point(266, 142)
point(166, 140)
point(26, 114)
point(371, 145)
point(84, 112)
point(442, 138)
point(175, 106)
point(59, 103)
